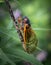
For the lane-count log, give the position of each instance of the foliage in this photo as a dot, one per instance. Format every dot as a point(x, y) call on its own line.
point(11, 51)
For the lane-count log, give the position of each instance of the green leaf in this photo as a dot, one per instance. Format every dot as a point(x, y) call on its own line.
point(17, 53)
point(4, 57)
point(1, 1)
point(12, 34)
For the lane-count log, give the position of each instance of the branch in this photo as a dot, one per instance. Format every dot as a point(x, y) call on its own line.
point(16, 24)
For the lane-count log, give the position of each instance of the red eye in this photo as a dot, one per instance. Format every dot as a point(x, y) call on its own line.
point(25, 19)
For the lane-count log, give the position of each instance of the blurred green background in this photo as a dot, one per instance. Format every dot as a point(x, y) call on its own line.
point(39, 12)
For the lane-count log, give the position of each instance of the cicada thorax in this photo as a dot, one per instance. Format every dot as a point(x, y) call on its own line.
point(31, 41)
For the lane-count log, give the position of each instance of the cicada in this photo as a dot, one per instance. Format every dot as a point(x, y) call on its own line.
point(30, 40)
point(29, 36)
